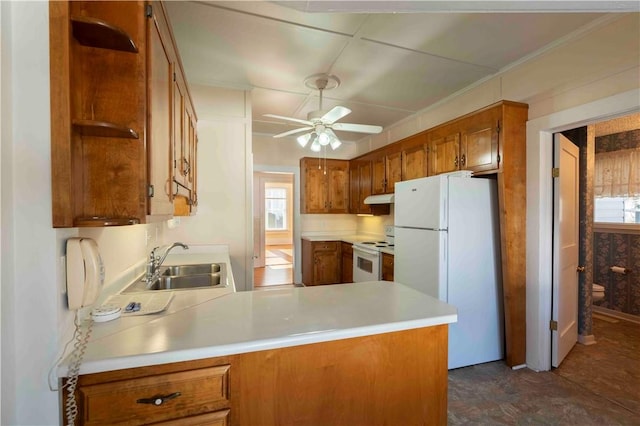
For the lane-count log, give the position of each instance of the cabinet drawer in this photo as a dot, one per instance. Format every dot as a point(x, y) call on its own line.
point(192, 392)
point(326, 245)
point(219, 418)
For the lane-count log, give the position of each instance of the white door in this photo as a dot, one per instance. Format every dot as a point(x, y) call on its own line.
point(566, 242)
point(258, 221)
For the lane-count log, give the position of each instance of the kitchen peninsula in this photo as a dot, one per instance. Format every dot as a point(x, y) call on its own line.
point(364, 353)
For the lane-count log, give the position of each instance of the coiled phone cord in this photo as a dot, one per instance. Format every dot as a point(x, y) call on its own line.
point(80, 345)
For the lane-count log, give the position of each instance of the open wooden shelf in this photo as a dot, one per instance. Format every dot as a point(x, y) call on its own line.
point(103, 129)
point(94, 32)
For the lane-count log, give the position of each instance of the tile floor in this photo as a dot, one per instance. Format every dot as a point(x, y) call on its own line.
point(595, 385)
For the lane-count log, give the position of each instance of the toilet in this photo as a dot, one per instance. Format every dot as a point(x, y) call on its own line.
point(597, 293)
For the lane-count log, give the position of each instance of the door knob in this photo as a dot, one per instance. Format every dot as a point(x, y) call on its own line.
point(580, 269)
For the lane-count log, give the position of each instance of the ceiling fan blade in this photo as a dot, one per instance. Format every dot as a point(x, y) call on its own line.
point(291, 132)
point(358, 128)
point(335, 114)
point(295, 120)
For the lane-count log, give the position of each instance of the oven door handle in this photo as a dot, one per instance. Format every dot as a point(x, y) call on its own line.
point(365, 251)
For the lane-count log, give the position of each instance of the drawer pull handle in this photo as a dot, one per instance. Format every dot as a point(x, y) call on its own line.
point(158, 400)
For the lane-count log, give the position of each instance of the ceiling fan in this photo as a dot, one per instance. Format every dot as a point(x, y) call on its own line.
point(321, 124)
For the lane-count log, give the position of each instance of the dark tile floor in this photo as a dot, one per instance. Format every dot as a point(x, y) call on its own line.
point(595, 385)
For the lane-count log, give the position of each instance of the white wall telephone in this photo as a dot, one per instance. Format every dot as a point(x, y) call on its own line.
point(85, 272)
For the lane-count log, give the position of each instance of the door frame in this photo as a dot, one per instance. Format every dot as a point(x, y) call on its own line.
point(540, 211)
point(297, 249)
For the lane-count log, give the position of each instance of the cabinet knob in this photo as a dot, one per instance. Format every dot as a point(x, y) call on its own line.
point(463, 160)
point(580, 269)
point(455, 162)
point(158, 400)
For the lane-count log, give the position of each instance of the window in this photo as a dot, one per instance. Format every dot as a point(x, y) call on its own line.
point(617, 186)
point(276, 209)
point(617, 210)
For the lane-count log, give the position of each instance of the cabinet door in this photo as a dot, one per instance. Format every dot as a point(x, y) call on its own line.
point(178, 133)
point(314, 190)
point(414, 162)
point(378, 177)
point(337, 187)
point(365, 186)
point(160, 117)
point(444, 154)
point(347, 263)
point(479, 148)
point(393, 170)
point(327, 265)
point(387, 267)
point(354, 188)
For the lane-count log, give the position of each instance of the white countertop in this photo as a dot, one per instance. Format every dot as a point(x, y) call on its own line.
point(264, 319)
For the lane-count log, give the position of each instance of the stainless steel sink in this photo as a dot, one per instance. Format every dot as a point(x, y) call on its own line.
point(184, 277)
point(182, 270)
point(186, 281)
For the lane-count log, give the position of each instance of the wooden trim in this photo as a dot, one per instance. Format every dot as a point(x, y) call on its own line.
point(61, 155)
point(512, 199)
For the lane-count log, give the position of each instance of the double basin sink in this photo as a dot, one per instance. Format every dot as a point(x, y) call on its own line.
point(183, 277)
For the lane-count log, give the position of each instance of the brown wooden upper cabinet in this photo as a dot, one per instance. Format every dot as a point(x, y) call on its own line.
point(113, 122)
point(414, 157)
point(387, 170)
point(360, 186)
point(444, 150)
point(325, 185)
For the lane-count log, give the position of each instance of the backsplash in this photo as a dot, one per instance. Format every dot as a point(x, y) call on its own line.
point(622, 291)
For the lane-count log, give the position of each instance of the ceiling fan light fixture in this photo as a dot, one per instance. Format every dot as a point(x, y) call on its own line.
point(324, 139)
point(304, 139)
point(335, 143)
point(315, 146)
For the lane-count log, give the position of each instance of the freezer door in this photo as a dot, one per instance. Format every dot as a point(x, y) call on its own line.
point(420, 260)
point(422, 203)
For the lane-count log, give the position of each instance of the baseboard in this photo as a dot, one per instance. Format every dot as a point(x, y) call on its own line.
point(616, 314)
point(587, 340)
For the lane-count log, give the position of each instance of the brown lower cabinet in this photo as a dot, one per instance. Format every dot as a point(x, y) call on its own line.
point(387, 267)
point(321, 262)
point(347, 262)
point(325, 383)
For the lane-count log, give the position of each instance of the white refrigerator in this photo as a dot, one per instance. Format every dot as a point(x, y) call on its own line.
point(447, 245)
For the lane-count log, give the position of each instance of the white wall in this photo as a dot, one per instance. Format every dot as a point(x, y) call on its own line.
point(29, 311)
point(224, 179)
point(7, 382)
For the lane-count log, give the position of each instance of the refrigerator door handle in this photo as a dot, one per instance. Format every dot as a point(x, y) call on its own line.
point(424, 229)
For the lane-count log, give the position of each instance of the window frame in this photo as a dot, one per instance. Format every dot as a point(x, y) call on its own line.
point(285, 227)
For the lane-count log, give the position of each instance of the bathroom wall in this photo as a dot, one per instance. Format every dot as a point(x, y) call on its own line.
point(622, 292)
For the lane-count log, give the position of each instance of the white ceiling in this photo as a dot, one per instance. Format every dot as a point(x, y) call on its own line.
point(391, 65)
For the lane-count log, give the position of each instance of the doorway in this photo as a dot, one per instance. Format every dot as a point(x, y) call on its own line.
point(539, 211)
point(274, 224)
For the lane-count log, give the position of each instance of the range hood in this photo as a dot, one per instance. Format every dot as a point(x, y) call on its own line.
point(379, 199)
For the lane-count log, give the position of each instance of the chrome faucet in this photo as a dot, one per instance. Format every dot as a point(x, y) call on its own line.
point(155, 261)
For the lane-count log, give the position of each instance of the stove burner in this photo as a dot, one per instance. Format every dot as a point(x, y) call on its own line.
point(368, 242)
